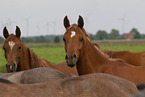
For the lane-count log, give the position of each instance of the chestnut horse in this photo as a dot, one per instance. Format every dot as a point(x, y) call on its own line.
point(137, 59)
point(20, 57)
point(80, 51)
point(91, 85)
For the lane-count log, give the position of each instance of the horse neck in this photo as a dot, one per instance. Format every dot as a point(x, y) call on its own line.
point(35, 61)
point(24, 62)
point(90, 59)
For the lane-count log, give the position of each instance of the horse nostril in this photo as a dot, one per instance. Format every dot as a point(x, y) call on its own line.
point(66, 57)
point(6, 65)
point(75, 56)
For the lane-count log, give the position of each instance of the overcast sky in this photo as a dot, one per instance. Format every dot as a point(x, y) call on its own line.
point(44, 17)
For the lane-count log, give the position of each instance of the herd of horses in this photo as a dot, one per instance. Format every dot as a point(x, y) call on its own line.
point(87, 71)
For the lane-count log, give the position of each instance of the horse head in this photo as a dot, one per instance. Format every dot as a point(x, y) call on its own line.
point(12, 49)
point(73, 40)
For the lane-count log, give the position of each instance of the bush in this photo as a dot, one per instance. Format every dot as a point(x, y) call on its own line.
point(56, 39)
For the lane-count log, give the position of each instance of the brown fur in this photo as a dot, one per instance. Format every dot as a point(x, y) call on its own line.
point(65, 69)
point(91, 60)
point(137, 59)
point(36, 75)
point(25, 59)
point(92, 85)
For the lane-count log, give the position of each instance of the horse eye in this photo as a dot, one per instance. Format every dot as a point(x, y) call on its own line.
point(64, 39)
point(81, 39)
point(19, 47)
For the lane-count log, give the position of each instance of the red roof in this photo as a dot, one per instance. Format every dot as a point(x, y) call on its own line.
point(128, 35)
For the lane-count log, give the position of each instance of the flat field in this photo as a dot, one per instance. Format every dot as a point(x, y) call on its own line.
point(56, 54)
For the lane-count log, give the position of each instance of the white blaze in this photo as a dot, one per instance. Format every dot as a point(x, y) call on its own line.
point(11, 44)
point(73, 34)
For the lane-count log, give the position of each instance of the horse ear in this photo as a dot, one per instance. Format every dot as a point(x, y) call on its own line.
point(5, 32)
point(66, 22)
point(80, 22)
point(18, 32)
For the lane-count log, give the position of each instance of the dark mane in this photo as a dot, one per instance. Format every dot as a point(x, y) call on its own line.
point(33, 58)
point(35, 61)
point(111, 54)
point(5, 81)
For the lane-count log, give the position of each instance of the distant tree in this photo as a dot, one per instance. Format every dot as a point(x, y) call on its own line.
point(137, 34)
point(113, 34)
point(36, 39)
point(92, 37)
point(56, 39)
point(27, 40)
point(101, 34)
point(41, 39)
point(1, 40)
point(143, 35)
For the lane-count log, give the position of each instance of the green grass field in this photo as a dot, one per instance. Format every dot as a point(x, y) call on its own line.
point(56, 54)
point(132, 48)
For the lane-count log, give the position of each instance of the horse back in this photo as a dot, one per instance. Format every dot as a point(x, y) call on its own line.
point(136, 59)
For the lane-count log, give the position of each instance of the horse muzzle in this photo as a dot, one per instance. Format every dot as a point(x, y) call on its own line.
point(71, 65)
point(71, 60)
point(11, 68)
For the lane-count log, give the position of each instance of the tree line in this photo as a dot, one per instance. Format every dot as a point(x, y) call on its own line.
point(100, 35)
point(114, 34)
point(39, 39)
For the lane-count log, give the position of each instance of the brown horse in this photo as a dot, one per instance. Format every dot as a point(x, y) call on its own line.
point(92, 85)
point(20, 57)
point(137, 59)
point(36, 75)
point(89, 59)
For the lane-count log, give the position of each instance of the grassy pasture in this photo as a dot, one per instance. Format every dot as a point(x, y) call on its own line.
point(132, 48)
point(56, 54)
